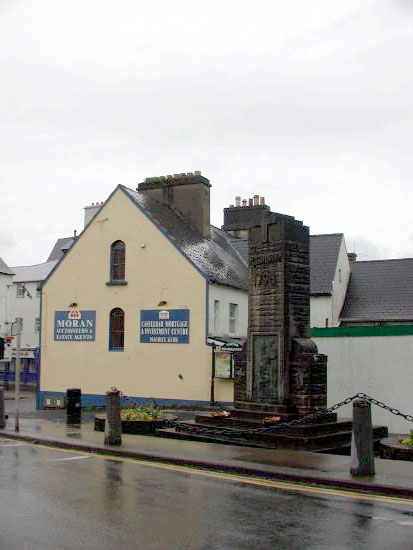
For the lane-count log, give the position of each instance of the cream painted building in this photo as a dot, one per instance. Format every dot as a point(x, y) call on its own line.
point(129, 304)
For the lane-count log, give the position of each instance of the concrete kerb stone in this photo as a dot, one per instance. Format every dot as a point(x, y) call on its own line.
point(225, 467)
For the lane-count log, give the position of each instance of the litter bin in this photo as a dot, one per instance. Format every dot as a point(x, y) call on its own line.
point(74, 402)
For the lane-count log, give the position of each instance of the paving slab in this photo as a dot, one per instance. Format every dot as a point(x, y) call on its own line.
point(392, 477)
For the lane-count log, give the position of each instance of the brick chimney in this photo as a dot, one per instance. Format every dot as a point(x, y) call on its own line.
point(188, 194)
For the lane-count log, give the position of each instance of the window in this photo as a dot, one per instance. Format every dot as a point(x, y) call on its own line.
point(38, 289)
point(20, 290)
point(37, 325)
point(117, 261)
point(116, 329)
point(216, 317)
point(233, 318)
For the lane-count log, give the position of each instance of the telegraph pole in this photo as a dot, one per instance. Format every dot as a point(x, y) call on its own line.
point(16, 331)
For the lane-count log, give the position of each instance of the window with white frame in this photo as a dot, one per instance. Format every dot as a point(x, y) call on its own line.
point(233, 318)
point(216, 317)
point(37, 324)
point(20, 290)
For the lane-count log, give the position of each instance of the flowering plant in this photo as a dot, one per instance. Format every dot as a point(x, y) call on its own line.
point(271, 419)
point(221, 413)
point(141, 413)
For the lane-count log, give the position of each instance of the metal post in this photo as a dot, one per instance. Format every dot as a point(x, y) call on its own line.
point(2, 413)
point(18, 331)
point(113, 425)
point(362, 448)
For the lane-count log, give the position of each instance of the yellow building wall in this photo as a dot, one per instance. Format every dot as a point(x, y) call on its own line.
point(155, 270)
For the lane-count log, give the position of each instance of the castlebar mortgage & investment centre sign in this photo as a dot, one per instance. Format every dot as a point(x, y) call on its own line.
point(167, 326)
point(74, 326)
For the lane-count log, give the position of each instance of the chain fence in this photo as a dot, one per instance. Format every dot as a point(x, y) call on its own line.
point(311, 418)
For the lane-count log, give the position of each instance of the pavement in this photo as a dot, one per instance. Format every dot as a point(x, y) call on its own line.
point(393, 477)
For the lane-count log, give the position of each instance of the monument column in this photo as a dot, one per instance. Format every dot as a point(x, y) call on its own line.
point(279, 308)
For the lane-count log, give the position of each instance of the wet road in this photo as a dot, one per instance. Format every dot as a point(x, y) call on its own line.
point(52, 499)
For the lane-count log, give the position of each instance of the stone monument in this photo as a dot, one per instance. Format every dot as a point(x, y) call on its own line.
point(283, 371)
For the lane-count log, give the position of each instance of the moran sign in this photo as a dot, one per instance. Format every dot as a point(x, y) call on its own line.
point(74, 326)
point(167, 326)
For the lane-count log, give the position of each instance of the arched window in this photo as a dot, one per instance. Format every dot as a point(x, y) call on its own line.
point(117, 261)
point(116, 329)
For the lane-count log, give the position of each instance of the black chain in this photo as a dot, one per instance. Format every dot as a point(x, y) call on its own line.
point(392, 410)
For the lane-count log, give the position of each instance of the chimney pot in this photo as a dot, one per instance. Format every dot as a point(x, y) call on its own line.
point(256, 200)
point(262, 201)
point(250, 202)
point(244, 202)
point(237, 202)
point(197, 172)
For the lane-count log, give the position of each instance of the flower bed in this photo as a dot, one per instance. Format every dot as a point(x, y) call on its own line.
point(397, 448)
point(137, 420)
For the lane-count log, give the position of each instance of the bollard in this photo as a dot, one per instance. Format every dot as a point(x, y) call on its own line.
point(2, 413)
point(113, 425)
point(362, 448)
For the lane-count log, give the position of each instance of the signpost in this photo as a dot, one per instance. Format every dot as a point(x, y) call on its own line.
point(16, 330)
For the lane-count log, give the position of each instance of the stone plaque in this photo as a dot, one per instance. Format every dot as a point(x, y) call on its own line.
point(265, 375)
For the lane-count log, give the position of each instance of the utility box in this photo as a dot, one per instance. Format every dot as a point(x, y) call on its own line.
point(54, 403)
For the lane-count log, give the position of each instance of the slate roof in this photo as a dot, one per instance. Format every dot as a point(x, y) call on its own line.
point(214, 257)
point(241, 246)
point(324, 250)
point(380, 290)
point(38, 272)
point(4, 268)
point(60, 245)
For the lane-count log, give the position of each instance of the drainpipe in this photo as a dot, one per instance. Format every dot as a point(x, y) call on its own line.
point(213, 376)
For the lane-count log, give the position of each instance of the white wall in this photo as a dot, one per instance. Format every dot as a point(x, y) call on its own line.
point(340, 283)
point(6, 282)
point(380, 366)
point(227, 295)
point(29, 309)
point(320, 310)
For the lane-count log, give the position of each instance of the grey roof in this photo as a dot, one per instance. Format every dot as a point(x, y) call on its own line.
point(61, 244)
point(241, 246)
point(324, 250)
point(214, 257)
point(380, 290)
point(27, 273)
point(4, 268)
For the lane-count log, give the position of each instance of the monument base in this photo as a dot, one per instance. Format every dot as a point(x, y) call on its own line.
point(245, 427)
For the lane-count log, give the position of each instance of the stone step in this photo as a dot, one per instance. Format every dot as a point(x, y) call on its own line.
point(253, 424)
point(259, 414)
point(313, 442)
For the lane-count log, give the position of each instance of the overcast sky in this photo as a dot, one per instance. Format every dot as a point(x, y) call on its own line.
point(308, 103)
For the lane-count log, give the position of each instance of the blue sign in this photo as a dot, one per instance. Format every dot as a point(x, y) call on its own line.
point(74, 326)
point(165, 326)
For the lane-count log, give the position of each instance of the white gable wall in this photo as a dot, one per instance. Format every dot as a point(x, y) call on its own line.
point(325, 310)
point(226, 295)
